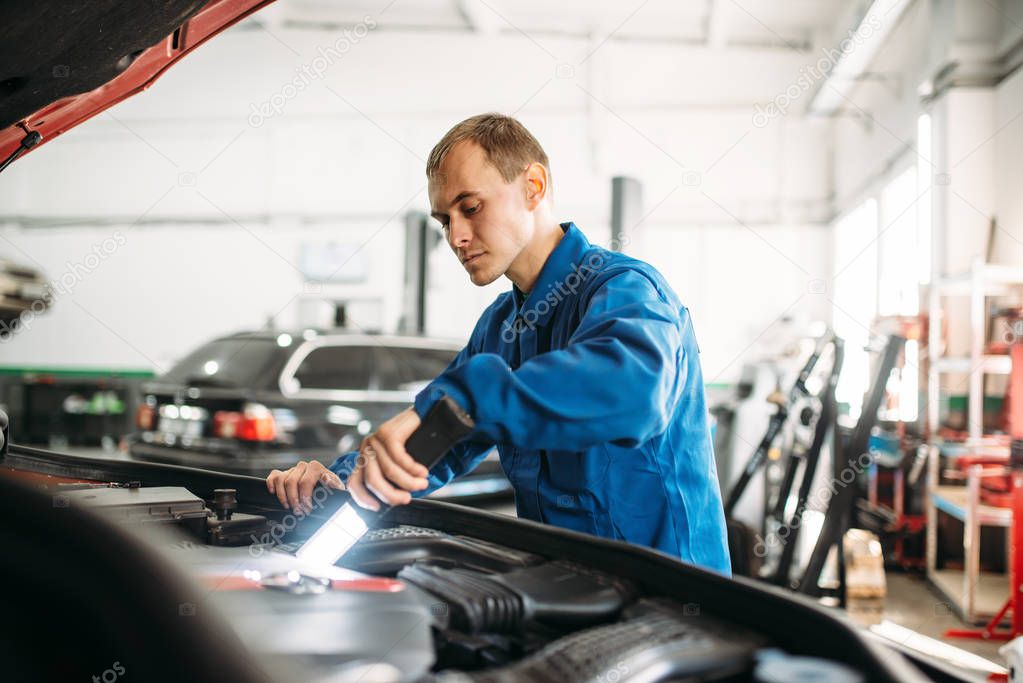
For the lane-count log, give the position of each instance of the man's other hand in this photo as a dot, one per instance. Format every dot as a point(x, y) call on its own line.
point(294, 486)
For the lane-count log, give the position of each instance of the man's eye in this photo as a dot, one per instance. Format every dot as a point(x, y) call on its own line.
point(468, 211)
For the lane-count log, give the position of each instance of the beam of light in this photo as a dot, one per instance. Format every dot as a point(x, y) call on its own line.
point(332, 540)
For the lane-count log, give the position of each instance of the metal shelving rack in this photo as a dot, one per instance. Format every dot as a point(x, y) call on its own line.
point(983, 280)
point(974, 594)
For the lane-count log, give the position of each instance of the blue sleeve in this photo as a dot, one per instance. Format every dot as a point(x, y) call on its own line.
point(344, 466)
point(461, 459)
point(618, 380)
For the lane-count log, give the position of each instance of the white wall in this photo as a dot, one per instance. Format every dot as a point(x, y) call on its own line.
point(973, 163)
point(877, 130)
point(214, 201)
point(953, 60)
point(157, 291)
point(1008, 247)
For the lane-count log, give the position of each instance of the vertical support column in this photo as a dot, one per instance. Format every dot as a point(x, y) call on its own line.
point(1016, 536)
point(963, 202)
point(931, 535)
point(975, 409)
point(626, 212)
point(1015, 426)
point(420, 239)
point(934, 317)
point(971, 542)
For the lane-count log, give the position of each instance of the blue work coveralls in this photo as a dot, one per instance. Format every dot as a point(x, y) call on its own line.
point(590, 387)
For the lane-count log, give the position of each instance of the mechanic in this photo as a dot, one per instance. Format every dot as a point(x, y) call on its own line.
point(586, 375)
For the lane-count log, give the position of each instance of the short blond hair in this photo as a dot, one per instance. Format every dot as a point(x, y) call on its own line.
point(508, 145)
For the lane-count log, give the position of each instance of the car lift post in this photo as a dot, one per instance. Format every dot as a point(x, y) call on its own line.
point(778, 418)
point(826, 424)
point(840, 507)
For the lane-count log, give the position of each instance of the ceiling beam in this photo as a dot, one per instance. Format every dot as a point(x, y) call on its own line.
point(717, 23)
point(854, 53)
point(479, 17)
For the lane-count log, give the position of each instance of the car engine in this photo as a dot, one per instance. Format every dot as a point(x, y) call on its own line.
point(413, 603)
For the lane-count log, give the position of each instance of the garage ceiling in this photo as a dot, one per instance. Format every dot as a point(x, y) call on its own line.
point(716, 23)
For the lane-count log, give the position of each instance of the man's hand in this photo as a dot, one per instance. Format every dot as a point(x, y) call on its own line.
point(294, 487)
point(384, 470)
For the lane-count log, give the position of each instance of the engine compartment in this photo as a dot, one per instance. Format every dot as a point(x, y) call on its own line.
point(436, 592)
point(416, 604)
point(470, 609)
point(509, 615)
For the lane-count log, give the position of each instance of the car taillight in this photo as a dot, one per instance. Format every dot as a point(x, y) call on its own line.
point(144, 417)
point(255, 422)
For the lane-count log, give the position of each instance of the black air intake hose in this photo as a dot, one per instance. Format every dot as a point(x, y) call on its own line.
point(556, 594)
point(656, 646)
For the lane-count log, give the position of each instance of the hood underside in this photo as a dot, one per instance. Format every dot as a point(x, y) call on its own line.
point(62, 63)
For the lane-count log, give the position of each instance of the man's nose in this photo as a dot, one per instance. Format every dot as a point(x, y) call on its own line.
point(459, 234)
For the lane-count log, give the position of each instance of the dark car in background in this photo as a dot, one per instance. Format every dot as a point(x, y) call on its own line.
point(256, 401)
point(24, 291)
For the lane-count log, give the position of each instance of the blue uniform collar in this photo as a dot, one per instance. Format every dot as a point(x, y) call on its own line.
point(560, 277)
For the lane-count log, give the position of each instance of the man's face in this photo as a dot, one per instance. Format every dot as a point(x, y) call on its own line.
point(486, 220)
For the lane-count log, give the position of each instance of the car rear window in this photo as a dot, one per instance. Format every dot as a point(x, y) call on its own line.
point(410, 369)
point(336, 367)
point(236, 362)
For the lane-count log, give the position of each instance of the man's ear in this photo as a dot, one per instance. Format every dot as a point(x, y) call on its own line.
point(537, 184)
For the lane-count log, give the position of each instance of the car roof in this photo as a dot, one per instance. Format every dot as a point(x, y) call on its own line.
point(341, 332)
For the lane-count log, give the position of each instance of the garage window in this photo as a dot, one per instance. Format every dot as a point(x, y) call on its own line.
point(854, 305)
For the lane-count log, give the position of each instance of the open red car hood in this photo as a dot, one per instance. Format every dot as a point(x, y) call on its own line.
point(62, 63)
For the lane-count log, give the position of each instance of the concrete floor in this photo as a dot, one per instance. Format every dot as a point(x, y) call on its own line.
point(912, 603)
